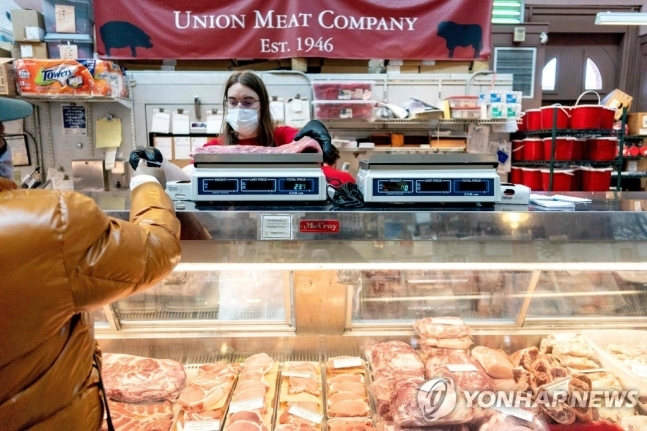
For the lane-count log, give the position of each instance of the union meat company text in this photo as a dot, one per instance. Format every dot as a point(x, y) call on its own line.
point(325, 19)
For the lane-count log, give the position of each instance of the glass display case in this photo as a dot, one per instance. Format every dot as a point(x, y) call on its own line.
point(331, 280)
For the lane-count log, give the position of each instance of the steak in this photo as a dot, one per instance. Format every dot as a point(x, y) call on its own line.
point(135, 379)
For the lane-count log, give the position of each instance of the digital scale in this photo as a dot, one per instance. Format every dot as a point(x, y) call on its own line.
point(425, 178)
point(253, 177)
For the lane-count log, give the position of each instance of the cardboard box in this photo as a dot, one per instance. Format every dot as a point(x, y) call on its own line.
point(344, 69)
point(28, 25)
point(618, 99)
point(33, 50)
point(637, 123)
point(447, 67)
point(7, 78)
point(402, 69)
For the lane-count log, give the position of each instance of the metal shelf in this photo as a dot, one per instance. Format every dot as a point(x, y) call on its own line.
point(78, 99)
point(566, 162)
point(635, 137)
point(477, 120)
point(571, 132)
point(630, 174)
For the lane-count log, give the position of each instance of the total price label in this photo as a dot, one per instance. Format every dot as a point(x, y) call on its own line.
point(208, 425)
point(347, 362)
point(306, 414)
point(250, 404)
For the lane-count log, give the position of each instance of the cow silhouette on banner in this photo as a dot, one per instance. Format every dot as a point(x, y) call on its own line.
point(462, 35)
point(122, 34)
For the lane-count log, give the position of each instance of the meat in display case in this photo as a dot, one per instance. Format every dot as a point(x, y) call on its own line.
point(507, 297)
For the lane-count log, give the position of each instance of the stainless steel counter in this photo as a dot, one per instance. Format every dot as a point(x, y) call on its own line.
point(609, 217)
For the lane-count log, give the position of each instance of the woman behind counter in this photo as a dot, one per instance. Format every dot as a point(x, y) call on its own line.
point(249, 122)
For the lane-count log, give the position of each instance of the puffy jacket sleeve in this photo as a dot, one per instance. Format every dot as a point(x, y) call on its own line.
point(107, 258)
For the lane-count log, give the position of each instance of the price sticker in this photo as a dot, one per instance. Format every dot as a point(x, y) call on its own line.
point(208, 425)
point(250, 404)
point(461, 368)
point(593, 370)
point(559, 385)
point(516, 412)
point(641, 370)
point(296, 374)
point(347, 362)
point(306, 414)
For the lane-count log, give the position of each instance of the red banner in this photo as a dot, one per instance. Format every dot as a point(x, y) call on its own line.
point(273, 29)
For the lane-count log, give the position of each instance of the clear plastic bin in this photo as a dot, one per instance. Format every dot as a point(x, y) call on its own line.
point(83, 15)
point(463, 101)
point(342, 90)
point(84, 43)
point(469, 113)
point(348, 109)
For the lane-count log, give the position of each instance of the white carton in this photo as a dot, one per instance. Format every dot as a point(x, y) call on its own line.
point(630, 379)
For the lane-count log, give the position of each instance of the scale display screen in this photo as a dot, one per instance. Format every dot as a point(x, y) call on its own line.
point(395, 186)
point(217, 185)
point(434, 186)
point(254, 185)
point(296, 185)
point(471, 186)
point(258, 186)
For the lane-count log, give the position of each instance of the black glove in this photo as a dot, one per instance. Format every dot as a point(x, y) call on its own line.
point(151, 155)
point(317, 131)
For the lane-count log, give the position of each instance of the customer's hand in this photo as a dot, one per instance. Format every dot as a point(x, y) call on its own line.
point(316, 130)
point(143, 161)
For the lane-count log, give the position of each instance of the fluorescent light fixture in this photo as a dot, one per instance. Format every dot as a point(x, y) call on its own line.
point(621, 18)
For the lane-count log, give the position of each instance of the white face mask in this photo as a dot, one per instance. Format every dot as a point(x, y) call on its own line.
point(243, 121)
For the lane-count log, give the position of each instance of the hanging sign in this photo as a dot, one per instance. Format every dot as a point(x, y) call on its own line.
point(274, 29)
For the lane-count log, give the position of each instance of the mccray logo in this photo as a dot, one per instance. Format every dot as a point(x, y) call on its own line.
point(61, 73)
point(437, 398)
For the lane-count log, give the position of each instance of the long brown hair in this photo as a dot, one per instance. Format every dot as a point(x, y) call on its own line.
point(266, 131)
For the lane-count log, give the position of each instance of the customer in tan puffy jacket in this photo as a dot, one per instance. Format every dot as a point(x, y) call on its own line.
point(61, 257)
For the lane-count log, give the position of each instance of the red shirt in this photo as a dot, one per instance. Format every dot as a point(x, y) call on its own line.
point(282, 135)
point(336, 177)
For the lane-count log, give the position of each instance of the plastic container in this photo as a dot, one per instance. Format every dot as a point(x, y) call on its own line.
point(532, 178)
point(602, 149)
point(469, 113)
point(629, 377)
point(533, 119)
point(342, 90)
point(463, 101)
point(347, 109)
point(607, 118)
point(516, 175)
point(562, 179)
point(564, 147)
point(579, 149)
point(83, 16)
point(83, 42)
point(547, 113)
point(586, 116)
point(517, 150)
point(533, 149)
point(596, 179)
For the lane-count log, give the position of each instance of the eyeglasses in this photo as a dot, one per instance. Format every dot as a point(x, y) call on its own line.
point(246, 103)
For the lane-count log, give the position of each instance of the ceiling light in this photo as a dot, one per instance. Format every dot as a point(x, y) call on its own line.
point(621, 18)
